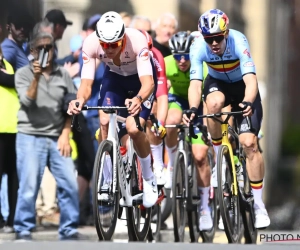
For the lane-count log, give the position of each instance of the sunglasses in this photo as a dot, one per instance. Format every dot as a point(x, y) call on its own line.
point(217, 38)
point(45, 46)
point(178, 57)
point(111, 45)
point(19, 26)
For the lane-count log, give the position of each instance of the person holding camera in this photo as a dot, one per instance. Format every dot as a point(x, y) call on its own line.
point(43, 139)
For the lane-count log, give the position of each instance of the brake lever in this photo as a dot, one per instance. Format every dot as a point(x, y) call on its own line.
point(75, 118)
point(191, 131)
point(154, 120)
point(136, 117)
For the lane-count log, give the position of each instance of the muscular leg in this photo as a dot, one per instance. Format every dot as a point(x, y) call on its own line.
point(142, 148)
point(174, 117)
point(104, 121)
point(255, 162)
point(215, 102)
point(203, 179)
point(156, 146)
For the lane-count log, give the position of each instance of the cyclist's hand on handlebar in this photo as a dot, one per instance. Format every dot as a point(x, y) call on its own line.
point(134, 106)
point(72, 109)
point(188, 115)
point(160, 131)
point(247, 108)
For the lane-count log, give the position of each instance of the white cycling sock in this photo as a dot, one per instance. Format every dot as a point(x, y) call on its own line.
point(157, 153)
point(216, 149)
point(257, 190)
point(171, 154)
point(147, 172)
point(204, 198)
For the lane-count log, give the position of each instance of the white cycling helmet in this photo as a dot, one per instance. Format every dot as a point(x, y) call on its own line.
point(110, 28)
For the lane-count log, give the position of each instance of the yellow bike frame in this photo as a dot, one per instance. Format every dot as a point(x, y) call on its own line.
point(225, 142)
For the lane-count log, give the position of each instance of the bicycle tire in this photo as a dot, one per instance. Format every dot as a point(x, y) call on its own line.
point(247, 211)
point(105, 230)
point(154, 235)
point(178, 196)
point(231, 223)
point(166, 205)
point(192, 214)
point(208, 236)
point(136, 233)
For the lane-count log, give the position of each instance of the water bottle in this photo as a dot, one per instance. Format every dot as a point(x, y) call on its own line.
point(124, 155)
point(239, 172)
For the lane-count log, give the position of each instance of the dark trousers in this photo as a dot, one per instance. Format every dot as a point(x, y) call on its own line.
point(8, 161)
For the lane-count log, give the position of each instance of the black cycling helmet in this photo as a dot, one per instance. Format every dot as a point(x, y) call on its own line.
point(181, 42)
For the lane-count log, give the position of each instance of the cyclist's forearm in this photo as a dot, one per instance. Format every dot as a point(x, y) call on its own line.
point(85, 89)
point(162, 110)
point(147, 87)
point(251, 87)
point(194, 93)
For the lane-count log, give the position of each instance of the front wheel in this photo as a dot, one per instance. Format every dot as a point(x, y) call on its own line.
point(178, 197)
point(138, 217)
point(229, 203)
point(105, 198)
point(208, 236)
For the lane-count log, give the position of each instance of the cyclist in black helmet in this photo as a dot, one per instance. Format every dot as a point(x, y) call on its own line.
point(178, 73)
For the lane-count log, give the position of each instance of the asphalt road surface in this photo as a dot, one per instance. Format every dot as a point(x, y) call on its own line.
point(133, 246)
point(46, 238)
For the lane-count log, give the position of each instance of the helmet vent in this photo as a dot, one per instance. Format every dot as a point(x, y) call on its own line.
point(213, 21)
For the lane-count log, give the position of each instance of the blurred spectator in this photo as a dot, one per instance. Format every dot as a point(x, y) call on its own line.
point(60, 23)
point(165, 28)
point(8, 128)
point(141, 23)
point(84, 29)
point(43, 139)
point(126, 18)
point(19, 26)
point(46, 205)
point(57, 17)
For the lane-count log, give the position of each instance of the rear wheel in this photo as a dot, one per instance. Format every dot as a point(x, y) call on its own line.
point(178, 197)
point(247, 211)
point(105, 199)
point(138, 217)
point(229, 203)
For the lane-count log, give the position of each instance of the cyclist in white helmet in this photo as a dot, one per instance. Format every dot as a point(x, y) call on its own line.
point(129, 68)
point(231, 81)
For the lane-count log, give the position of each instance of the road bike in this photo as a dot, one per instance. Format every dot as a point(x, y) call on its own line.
point(234, 201)
point(117, 184)
point(185, 195)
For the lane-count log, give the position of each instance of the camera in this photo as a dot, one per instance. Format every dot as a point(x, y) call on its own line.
point(43, 57)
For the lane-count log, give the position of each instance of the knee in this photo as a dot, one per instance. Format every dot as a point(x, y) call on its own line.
point(249, 145)
point(200, 157)
point(214, 105)
point(104, 121)
point(133, 132)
